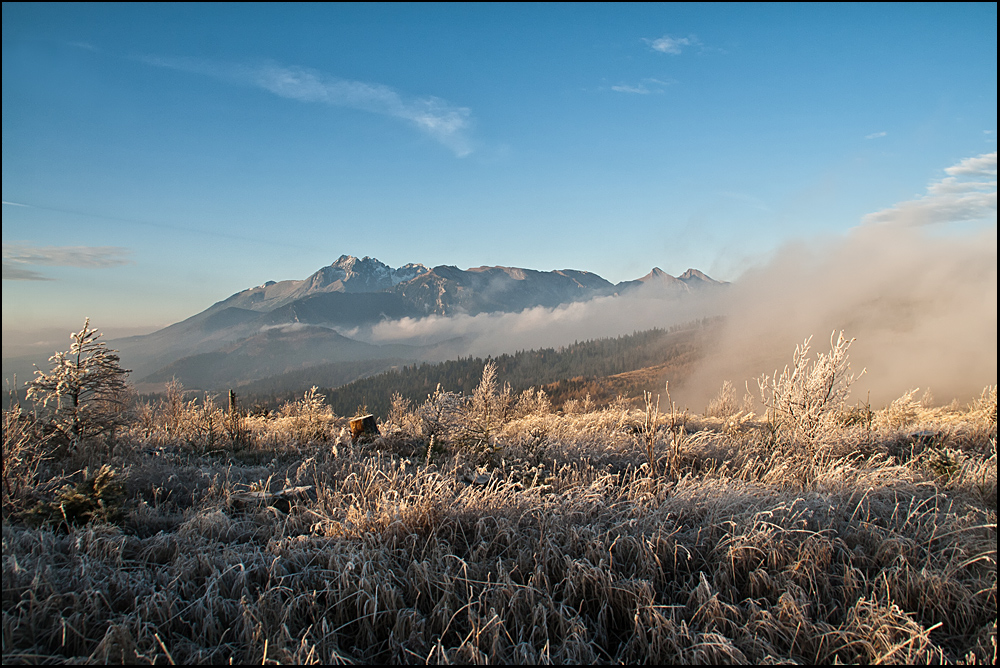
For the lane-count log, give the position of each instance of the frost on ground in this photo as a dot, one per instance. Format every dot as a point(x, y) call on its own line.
point(490, 529)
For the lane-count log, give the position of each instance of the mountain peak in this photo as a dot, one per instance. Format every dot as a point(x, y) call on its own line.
point(695, 276)
point(657, 274)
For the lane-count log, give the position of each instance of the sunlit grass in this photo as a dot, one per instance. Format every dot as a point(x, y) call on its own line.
point(547, 538)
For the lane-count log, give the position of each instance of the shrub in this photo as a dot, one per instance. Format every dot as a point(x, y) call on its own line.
point(532, 402)
point(312, 419)
point(25, 446)
point(96, 497)
point(724, 404)
point(805, 395)
point(487, 410)
point(440, 417)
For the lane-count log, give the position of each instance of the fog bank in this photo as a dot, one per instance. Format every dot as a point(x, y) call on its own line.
point(484, 334)
point(922, 308)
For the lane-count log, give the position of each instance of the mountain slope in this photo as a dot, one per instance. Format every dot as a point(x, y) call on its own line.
point(446, 290)
point(603, 368)
point(274, 351)
point(353, 295)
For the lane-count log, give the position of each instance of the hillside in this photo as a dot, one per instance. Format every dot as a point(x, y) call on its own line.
point(605, 368)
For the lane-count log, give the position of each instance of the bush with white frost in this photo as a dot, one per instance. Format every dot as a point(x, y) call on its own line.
point(487, 410)
point(806, 394)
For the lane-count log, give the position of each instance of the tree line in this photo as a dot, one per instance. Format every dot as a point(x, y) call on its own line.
point(561, 371)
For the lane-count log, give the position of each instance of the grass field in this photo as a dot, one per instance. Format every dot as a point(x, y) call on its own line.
point(489, 529)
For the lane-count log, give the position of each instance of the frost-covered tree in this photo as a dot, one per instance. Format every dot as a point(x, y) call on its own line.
point(87, 384)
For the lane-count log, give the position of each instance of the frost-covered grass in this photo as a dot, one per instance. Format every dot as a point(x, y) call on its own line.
point(516, 535)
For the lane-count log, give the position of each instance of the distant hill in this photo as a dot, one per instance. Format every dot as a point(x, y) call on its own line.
point(604, 368)
point(278, 350)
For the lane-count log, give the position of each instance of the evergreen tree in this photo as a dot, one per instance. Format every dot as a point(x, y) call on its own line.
point(87, 385)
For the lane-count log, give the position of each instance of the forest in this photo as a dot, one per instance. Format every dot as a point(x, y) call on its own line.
point(567, 373)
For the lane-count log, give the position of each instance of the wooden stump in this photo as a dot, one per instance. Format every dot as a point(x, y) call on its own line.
point(283, 500)
point(363, 427)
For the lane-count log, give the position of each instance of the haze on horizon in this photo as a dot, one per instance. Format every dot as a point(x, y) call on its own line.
point(836, 163)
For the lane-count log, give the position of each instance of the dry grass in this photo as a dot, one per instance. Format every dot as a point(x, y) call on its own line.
point(875, 542)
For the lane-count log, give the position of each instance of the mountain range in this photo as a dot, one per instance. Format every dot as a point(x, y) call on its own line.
point(285, 326)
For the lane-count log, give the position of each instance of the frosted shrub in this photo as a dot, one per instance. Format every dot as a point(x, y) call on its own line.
point(487, 410)
point(532, 402)
point(901, 412)
point(173, 409)
point(25, 447)
point(724, 405)
point(986, 405)
point(313, 422)
point(402, 417)
point(207, 422)
point(802, 397)
point(199, 424)
point(441, 415)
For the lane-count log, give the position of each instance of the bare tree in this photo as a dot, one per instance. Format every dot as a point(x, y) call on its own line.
point(87, 384)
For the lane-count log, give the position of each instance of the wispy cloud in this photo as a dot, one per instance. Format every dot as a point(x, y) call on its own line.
point(644, 87)
point(875, 135)
point(12, 273)
point(672, 45)
point(626, 88)
point(86, 46)
point(969, 192)
point(748, 200)
point(444, 122)
point(17, 255)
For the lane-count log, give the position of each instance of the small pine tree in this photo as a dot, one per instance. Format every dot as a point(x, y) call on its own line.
point(87, 384)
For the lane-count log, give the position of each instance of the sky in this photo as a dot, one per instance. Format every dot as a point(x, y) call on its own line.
point(158, 158)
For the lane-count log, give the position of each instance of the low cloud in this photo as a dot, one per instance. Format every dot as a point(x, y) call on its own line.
point(17, 255)
point(544, 327)
point(875, 135)
point(66, 256)
point(287, 327)
point(446, 123)
point(14, 273)
point(923, 310)
point(969, 192)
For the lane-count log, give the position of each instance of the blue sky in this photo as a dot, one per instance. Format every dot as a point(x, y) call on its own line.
point(158, 158)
